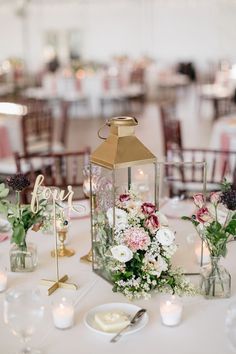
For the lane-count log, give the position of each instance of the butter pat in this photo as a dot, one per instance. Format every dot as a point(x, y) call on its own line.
point(112, 321)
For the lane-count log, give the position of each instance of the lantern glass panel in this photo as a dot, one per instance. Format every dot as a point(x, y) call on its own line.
point(113, 183)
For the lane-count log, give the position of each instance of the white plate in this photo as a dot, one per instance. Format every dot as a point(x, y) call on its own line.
point(129, 309)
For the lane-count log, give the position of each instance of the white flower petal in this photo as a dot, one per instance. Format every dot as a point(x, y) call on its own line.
point(121, 218)
point(122, 253)
point(165, 236)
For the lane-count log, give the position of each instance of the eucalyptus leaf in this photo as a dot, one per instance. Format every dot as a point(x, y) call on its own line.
point(3, 209)
point(4, 193)
point(2, 186)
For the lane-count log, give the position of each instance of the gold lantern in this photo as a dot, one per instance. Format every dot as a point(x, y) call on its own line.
point(126, 166)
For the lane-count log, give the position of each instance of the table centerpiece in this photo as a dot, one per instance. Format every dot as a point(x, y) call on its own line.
point(138, 259)
point(215, 223)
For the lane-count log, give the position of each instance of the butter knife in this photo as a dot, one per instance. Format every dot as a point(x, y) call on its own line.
point(137, 317)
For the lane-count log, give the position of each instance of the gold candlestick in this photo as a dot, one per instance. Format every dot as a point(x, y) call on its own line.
point(62, 251)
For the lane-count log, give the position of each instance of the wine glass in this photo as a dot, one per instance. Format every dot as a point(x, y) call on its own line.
point(23, 314)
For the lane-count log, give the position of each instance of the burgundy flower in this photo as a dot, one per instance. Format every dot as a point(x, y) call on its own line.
point(18, 182)
point(148, 208)
point(203, 215)
point(124, 197)
point(152, 223)
point(199, 200)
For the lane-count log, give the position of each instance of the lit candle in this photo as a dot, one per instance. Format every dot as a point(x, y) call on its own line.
point(142, 183)
point(140, 176)
point(171, 310)
point(205, 255)
point(3, 280)
point(63, 314)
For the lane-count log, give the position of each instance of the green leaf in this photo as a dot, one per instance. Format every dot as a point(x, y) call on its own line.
point(214, 227)
point(231, 227)
point(19, 234)
point(234, 216)
point(186, 218)
point(2, 186)
point(3, 208)
point(4, 193)
point(193, 221)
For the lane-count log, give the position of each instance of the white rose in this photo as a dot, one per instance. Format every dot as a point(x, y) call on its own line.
point(165, 236)
point(121, 218)
point(122, 253)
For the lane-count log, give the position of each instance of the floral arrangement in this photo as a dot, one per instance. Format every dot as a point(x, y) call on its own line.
point(215, 221)
point(19, 216)
point(138, 260)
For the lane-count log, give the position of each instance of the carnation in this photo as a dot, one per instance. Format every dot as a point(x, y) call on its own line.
point(136, 238)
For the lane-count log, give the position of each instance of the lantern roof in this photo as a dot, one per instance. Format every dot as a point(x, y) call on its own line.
point(122, 148)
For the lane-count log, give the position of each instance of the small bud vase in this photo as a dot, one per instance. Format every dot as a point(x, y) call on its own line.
point(23, 258)
point(215, 280)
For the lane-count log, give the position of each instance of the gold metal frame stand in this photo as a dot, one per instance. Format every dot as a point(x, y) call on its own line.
point(60, 282)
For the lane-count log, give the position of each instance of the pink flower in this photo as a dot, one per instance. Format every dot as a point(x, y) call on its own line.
point(203, 215)
point(152, 223)
point(124, 197)
point(136, 238)
point(148, 208)
point(199, 200)
point(215, 198)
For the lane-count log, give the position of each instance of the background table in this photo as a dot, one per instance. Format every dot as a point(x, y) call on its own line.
point(201, 330)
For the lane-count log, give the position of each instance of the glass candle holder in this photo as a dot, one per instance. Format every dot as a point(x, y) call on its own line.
point(63, 313)
point(3, 279)
point(171, 309)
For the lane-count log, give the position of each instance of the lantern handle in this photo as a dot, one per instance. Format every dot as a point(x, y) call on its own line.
point(107, 123)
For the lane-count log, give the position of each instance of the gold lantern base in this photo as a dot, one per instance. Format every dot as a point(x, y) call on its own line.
point(88, 257)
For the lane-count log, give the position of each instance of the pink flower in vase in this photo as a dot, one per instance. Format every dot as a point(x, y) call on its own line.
point(203, 215)
point(136, 239)
point(215, 197)
point(199, 200)
point(152, 223)
point(148, 208)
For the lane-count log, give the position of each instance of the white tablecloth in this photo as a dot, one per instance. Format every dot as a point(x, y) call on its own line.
point(201, 330)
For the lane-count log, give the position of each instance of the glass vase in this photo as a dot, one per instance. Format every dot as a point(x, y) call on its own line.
point(215, 280)
point(23, 258)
